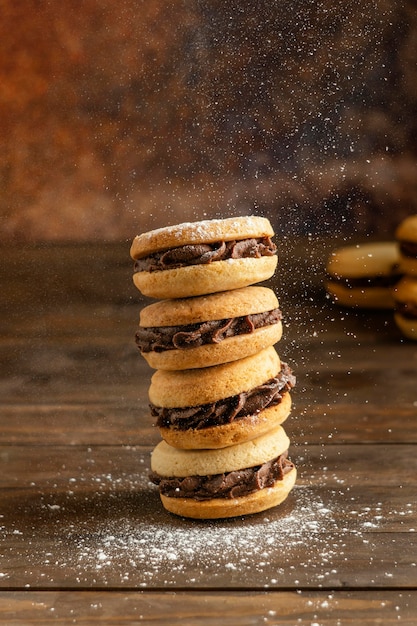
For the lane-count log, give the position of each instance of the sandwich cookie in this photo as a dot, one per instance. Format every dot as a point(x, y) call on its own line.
point(406, 235)
point(239, 480)
point(208, 330)
point(222, 405)
point(405, 313)
point(363, 275)
point(196, 258)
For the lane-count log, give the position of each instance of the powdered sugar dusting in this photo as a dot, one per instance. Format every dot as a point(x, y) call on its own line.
point(202, 553)
point(196, 232)
point(304, 541)
point(204, 227)
point(118, 534)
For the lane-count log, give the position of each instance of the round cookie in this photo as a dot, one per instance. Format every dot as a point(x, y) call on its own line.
point(169, 461)
point(219, 406)
point(406, 235)
point(206, 231)
point(218, 508)
point(363, 275)
point(239, 480)
point(405, 313)
point(208, 330)
point(196, 258)
point(186, 388)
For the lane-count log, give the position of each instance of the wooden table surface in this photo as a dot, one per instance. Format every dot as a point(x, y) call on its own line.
point(84, 538)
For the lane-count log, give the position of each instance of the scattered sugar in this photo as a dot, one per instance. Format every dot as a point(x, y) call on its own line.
point(108, 540)
point(182, 550)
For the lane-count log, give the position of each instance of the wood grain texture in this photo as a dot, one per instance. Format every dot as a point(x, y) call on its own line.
point(193, 607)
point(83, 534)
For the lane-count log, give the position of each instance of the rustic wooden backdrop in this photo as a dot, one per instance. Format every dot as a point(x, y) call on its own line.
point(119, 118)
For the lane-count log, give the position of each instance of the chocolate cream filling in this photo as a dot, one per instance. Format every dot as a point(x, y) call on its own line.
point(228, 485)
point(409, 248)
point(159, 339)
point(363, 282)
point(407, 309)
point(200, 254)
point(229, 409)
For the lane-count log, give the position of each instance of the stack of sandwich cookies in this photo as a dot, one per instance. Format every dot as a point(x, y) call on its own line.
point(364, 275)
point(379, 275)
point(220, 392)
point(405, 292)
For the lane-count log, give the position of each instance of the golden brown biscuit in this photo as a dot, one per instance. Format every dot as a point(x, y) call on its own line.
point(207, 231)
point(209, 330)
point(187, 388)
point(214, 407)
point(363, 275)
point(239, 480)
point(169, 461)
point(219, 508)
point(195, 258)
point(405, 314)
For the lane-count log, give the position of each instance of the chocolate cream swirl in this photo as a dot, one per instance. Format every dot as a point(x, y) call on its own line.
point(162, 338)
point(229, 409)
point(408, 248)
point(201, 254)
point(228, 485)
point(407, 309)
point(359, 282)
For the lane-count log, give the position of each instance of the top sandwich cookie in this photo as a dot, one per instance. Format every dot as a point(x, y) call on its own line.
point(406, 235)
point(364, 275)
point(184, 333)
point(196, 258)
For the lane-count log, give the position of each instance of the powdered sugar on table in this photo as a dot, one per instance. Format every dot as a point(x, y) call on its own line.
point(120, 535)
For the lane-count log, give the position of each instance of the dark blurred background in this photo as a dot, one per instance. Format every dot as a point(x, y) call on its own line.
point(117, 117)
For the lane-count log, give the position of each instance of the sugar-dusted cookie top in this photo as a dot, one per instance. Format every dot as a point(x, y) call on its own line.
point(206, 231)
